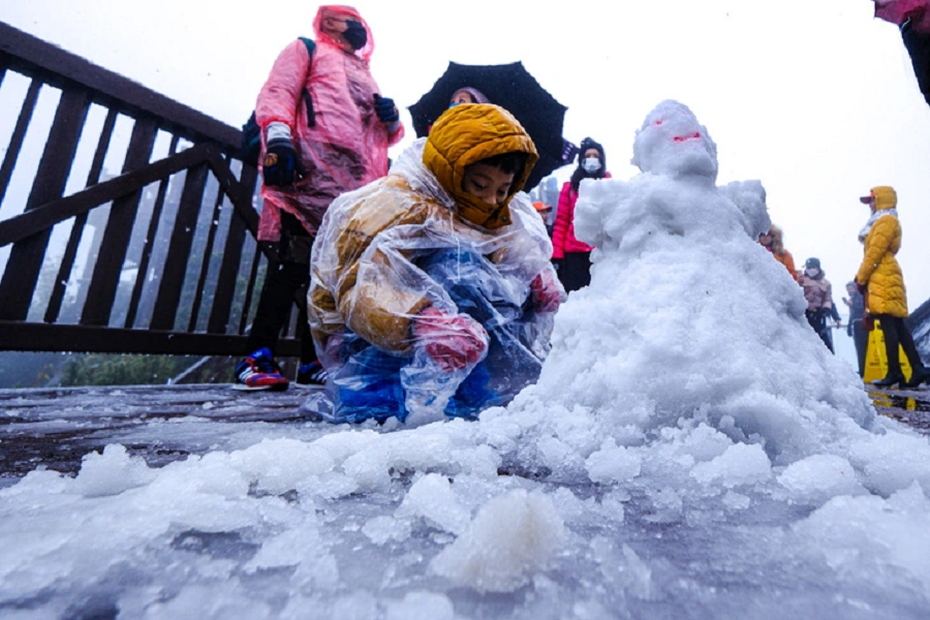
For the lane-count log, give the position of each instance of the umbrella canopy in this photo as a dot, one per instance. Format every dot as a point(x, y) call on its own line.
point(514, 89)
point(899, 11)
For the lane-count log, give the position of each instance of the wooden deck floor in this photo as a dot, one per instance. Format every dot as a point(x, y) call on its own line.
point(54, 428)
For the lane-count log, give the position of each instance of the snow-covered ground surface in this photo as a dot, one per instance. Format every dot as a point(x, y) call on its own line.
point(183, 534)
point(691, 450)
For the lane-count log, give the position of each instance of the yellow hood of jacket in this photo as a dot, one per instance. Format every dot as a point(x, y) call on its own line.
point(466, 134)
point(885, 197)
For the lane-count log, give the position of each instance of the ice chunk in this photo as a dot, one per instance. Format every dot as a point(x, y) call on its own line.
point(613, 463)
point(279, 465)
point(432, 498)
point(820, 477)
point(876, 542)
point(512, 537)
point(892, 461)
point(741, 464)
point(111, 473)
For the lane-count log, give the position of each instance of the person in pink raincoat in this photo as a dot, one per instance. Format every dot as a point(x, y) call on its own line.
point(326, 130)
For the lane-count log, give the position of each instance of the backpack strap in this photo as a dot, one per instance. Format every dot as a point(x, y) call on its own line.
point(311, 45)
point(311, 115)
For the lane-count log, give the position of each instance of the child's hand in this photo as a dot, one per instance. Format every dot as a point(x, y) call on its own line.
point(546, 292)
point(453, 341)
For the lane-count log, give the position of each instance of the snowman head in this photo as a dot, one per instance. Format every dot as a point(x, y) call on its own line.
point(671, 142)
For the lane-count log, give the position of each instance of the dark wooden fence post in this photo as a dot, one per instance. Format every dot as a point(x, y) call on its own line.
point(172, 278)
point(22, 271)
point(103, 285)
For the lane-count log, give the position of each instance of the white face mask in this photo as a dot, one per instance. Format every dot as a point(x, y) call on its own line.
point(591, 165)
point(812, 272)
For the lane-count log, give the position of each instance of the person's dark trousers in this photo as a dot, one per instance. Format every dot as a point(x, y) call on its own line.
point(827, 336)
point(861, 340)
point(575, 272)
point(819, 324)
point(287, 276)
point(896, 333)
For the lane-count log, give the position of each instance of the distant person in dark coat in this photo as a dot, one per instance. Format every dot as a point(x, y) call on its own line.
point(854, 328)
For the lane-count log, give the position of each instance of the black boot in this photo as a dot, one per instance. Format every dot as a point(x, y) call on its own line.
point(921, 375)
point(889, 380)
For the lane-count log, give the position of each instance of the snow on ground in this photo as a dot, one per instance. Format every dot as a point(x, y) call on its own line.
point(691, 450)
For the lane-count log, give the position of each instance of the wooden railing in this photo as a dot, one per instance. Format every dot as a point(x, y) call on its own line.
point(158, 256)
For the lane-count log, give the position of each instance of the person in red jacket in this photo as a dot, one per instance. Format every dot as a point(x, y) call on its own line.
point(572, 258)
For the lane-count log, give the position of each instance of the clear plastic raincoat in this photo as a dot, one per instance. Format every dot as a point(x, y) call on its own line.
point(327, 101)
point(412, 242)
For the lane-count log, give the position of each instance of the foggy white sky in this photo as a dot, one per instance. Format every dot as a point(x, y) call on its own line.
point(815, 98)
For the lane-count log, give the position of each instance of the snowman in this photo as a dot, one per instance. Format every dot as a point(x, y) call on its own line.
point(688, 327)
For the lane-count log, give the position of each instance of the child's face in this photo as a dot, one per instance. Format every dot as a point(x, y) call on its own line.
point(489, 183)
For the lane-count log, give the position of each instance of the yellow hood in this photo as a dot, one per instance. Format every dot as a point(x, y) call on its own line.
point(467, 134)
point(885, 197)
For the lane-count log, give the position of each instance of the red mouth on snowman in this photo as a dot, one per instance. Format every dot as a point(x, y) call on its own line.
point(693, 136)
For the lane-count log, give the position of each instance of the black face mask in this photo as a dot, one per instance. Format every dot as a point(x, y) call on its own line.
point(355, 34)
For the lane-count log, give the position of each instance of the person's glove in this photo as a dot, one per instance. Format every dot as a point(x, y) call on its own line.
point(453, 341)
point(860, 287)
point(280, 163)
point(546, 292)
point(385, 109)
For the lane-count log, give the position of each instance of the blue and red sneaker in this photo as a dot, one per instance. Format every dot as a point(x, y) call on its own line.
point(312, 374)
point(259, 371)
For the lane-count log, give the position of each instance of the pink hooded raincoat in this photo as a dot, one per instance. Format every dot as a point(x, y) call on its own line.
point(342, 144)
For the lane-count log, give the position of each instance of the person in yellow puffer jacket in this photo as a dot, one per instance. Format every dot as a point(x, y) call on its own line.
point(881, 276)
point(431, 289)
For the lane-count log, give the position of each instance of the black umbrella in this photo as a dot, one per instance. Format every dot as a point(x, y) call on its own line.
point(511, 87)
